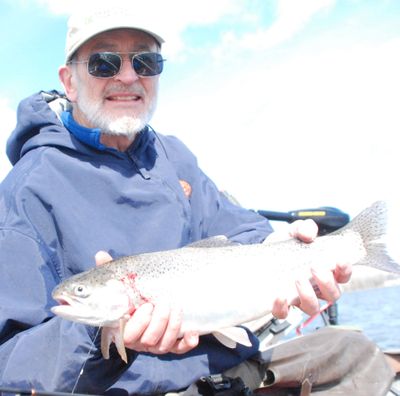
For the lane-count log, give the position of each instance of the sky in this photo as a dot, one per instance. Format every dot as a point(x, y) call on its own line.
point(287, 104)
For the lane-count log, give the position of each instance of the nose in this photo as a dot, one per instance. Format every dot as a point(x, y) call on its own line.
point(127, 74)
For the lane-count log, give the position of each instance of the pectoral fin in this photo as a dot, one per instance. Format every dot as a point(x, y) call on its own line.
point(119, 340)
point(106, 339)
point(232, 336)
point(116, 335)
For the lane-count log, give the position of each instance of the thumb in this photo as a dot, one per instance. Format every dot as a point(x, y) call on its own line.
point(305, 230)
point(102, 257)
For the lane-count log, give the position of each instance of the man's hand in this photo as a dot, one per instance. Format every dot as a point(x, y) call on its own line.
point(154, 328)
point(324, 283)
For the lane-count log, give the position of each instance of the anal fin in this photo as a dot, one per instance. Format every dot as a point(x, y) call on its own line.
point(232, 336)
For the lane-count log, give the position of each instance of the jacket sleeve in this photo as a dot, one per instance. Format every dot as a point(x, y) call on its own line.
point(38, 350)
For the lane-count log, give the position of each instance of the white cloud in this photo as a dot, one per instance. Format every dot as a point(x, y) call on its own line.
point(8, 117)
point(190, 10)
point(291, 18)
point(309, 129)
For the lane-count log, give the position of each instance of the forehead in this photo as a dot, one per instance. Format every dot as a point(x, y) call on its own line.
point(120, 40)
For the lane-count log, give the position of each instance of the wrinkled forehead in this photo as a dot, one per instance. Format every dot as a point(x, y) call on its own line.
point(120, 40)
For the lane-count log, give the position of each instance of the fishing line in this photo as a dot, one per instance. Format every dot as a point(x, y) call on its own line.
point(87, 358)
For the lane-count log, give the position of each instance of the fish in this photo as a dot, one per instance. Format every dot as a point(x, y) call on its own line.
point(218, 285)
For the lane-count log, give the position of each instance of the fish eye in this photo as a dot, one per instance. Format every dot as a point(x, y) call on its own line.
point(81, 291)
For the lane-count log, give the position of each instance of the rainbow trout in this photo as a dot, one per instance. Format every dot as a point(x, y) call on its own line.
point(217, 284)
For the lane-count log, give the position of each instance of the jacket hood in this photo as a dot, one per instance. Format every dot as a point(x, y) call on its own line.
point(37, 125)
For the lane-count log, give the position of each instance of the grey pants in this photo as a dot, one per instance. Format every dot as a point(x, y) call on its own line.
point(331, 361)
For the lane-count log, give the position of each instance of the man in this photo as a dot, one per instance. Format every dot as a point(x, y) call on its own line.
point(90, 178)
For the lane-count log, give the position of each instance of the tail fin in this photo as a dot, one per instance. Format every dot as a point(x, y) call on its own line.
point(376, 225)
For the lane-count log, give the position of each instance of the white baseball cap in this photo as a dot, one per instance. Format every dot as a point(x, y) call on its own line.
point(82, 26)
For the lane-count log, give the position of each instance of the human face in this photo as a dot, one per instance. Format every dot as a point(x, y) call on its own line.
point(121, 105)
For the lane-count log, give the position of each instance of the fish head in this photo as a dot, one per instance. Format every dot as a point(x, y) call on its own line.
point(97, 303)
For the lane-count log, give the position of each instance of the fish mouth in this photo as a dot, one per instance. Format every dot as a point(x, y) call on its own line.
point(68, 308)
point(62, 301)
point(74, 310)
point(76, 313)
point(65, 311)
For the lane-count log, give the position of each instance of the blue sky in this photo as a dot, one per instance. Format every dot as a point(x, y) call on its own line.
point(286, 103)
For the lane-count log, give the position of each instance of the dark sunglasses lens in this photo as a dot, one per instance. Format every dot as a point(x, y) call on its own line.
point(148, 64)
point(104, 64)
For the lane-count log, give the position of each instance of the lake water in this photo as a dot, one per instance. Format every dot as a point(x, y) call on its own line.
point(374, 311)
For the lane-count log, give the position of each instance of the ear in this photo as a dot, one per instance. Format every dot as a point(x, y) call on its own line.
point(68, 80)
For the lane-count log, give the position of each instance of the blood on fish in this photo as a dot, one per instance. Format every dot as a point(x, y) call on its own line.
point(129, 281)
point(130, 278)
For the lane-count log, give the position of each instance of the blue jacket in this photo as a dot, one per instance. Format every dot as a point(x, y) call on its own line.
point(68, 197)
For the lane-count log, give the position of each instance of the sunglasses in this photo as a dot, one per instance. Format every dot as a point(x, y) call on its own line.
point(108, 64)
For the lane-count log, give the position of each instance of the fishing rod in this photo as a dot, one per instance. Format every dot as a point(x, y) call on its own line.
point(34, 392)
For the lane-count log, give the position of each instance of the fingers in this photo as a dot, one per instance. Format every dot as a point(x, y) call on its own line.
point(102, 257)
point(327, 286)
point(156, 329)
point(157, 326)
point(342, 272)
point(308, 300)
point(323, 285)
point(280, 308)
point(189, 341)
point(172, 331)
point(305, 230)
point(136, 326)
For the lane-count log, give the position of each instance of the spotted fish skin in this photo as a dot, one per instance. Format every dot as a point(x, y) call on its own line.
point(217, 284)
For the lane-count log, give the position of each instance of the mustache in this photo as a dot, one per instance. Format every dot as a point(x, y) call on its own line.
point(121, 88)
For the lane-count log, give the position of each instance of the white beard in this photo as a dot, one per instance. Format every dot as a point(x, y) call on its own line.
point(127, 125)
point(124, 126)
